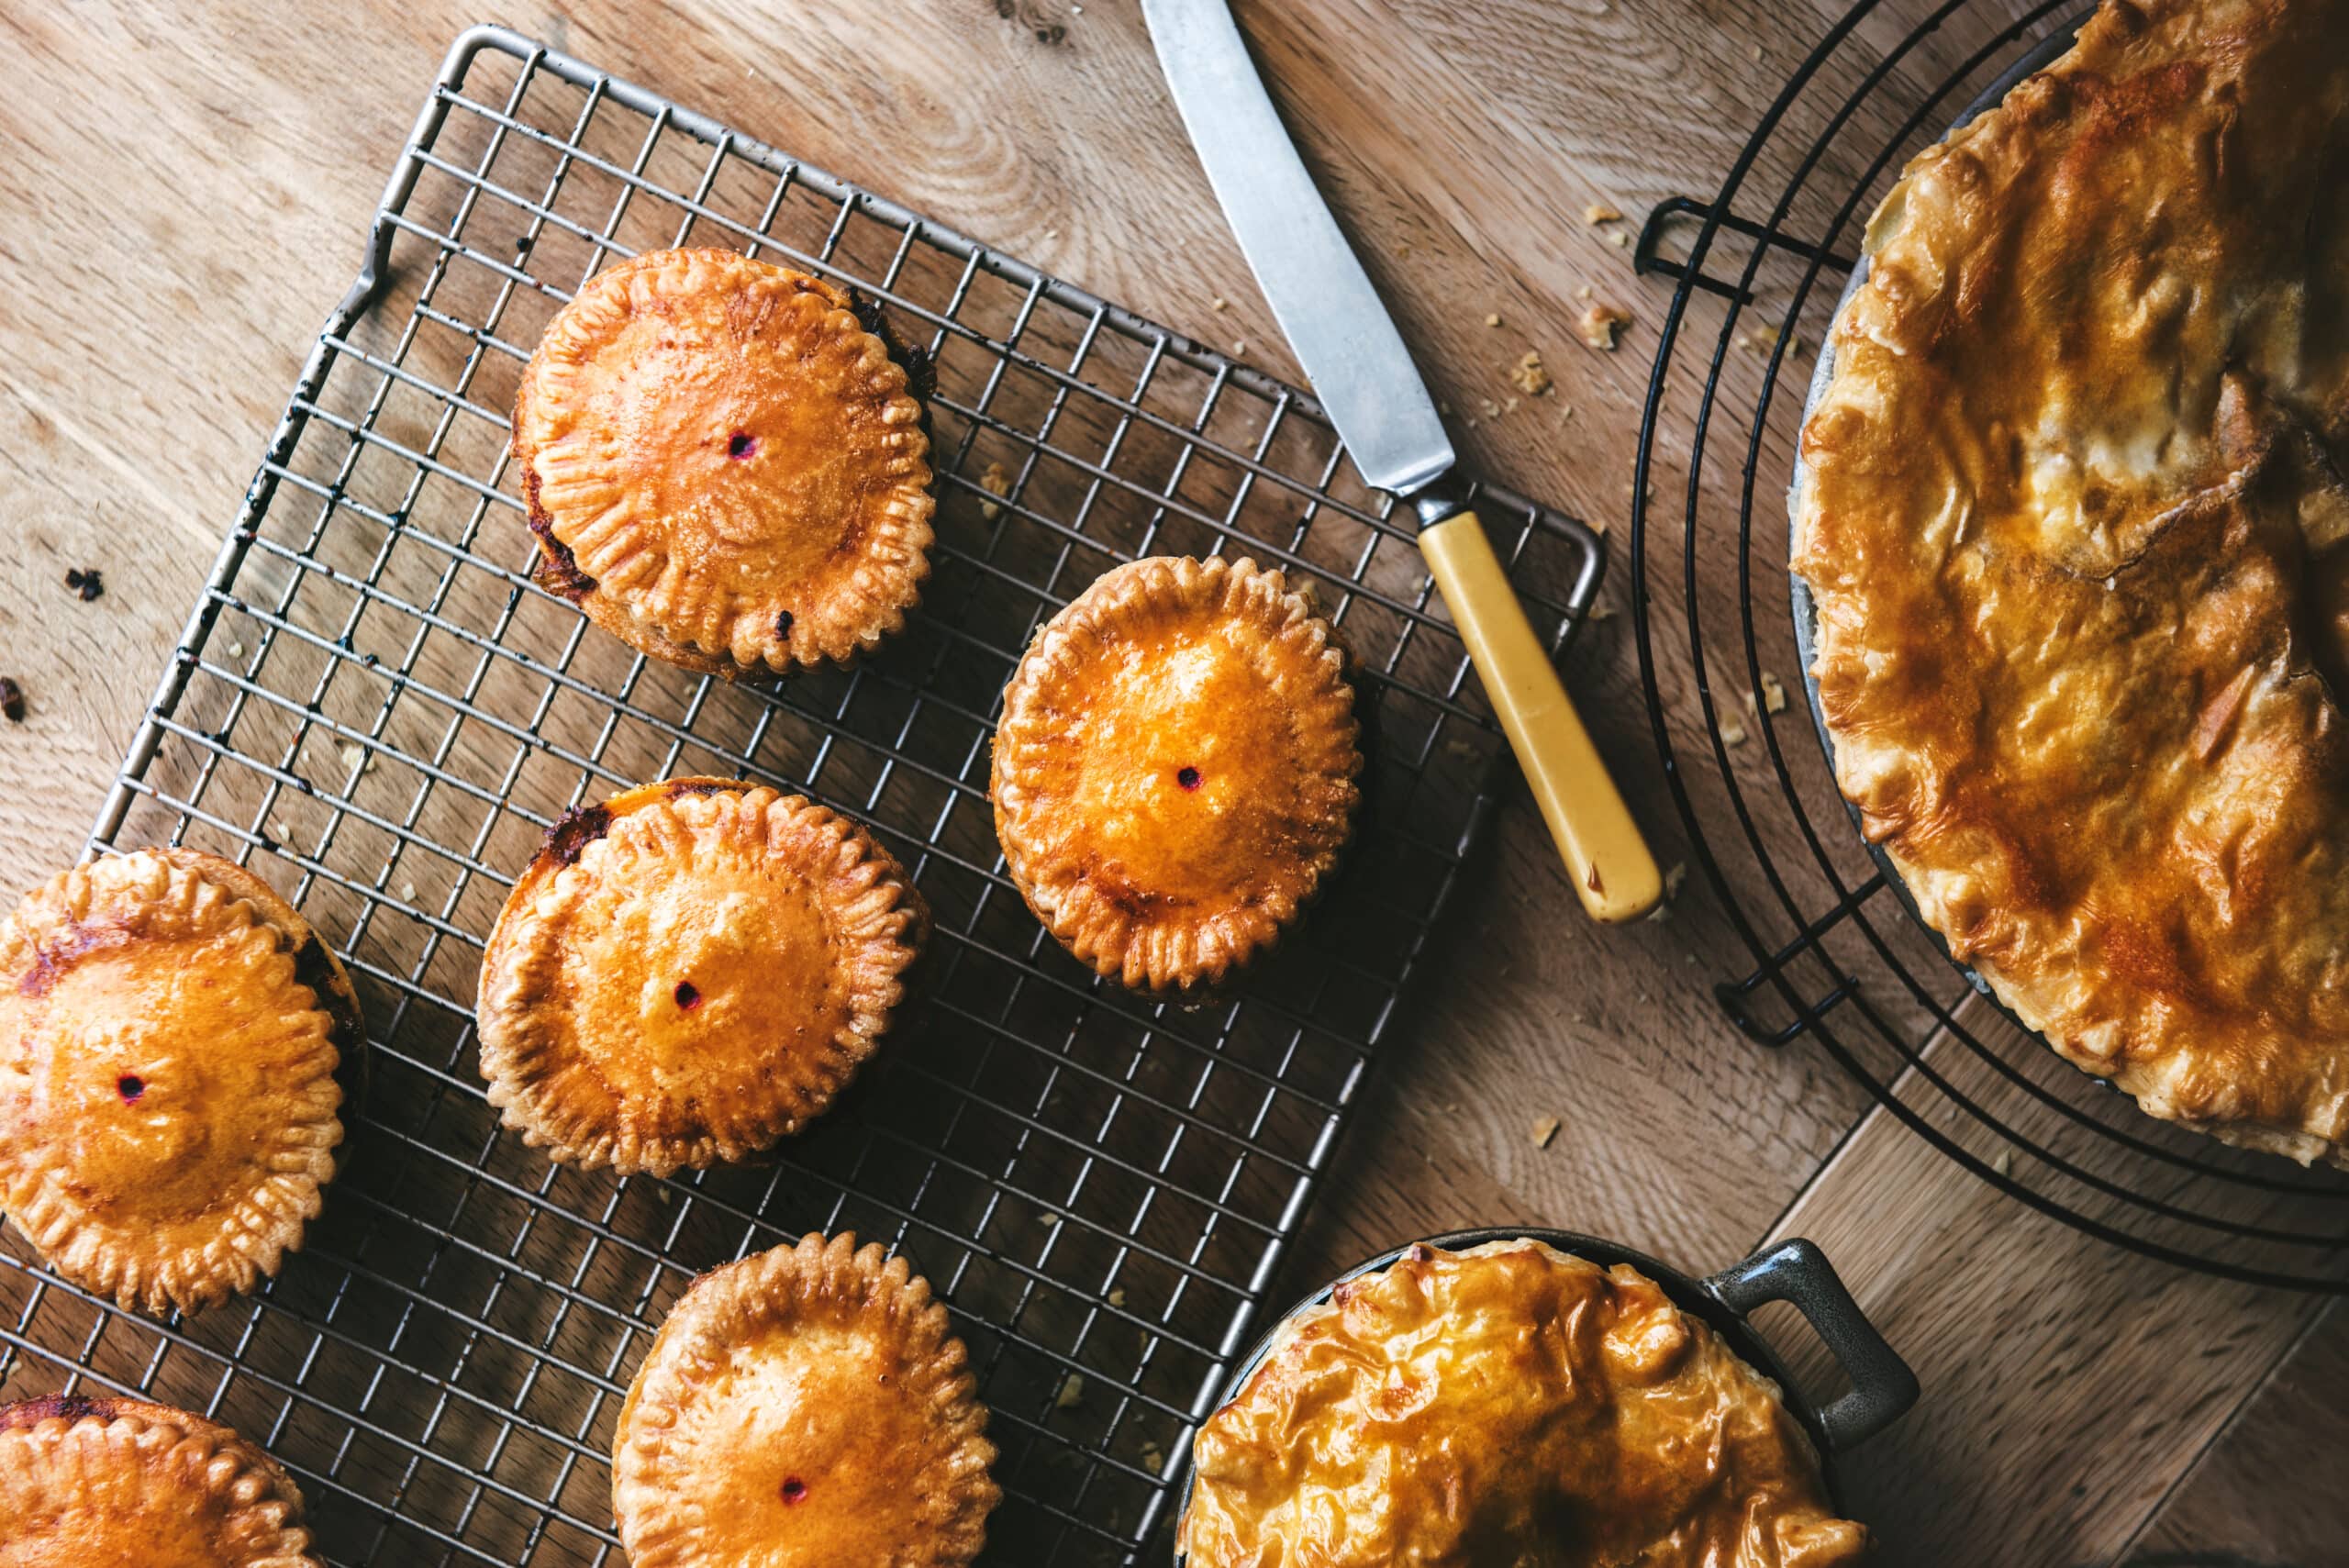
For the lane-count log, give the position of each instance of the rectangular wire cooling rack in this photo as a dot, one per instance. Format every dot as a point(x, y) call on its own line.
point(377, 709)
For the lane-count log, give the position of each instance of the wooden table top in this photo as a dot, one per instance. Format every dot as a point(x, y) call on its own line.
point(184, 200)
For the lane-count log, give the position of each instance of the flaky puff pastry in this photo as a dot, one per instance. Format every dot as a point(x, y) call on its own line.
point(1175, 768)
point(97, 1481)
point(690, 972)
point(2075, 524)
point(168, 1033)
point(805, 1407)
point(1506, 1405)
point(723, 464)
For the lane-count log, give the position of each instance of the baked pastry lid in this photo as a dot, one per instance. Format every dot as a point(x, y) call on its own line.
point(1796, 1272)
point(1805, 609)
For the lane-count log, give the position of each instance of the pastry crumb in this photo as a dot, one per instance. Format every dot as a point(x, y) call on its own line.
point(1529, 375)
point(1620, 237)
point(1239, 349)
point(408, 892)
point(280, 831)
point(1072, 1392)
point(357, 758)
point(236, 651)
point(1732, 732)
point(2005, 1163)
point(1048, 1220)
point(1117, 1297)
point(1773, 696)
point(1151, 1460)
point(90, 584)
point(1545, 1129)
point(1602, 612)
point(1490, 410)
point(1603, 324)
point(1493, 319)
point(1674, 878)
point(1583, 293)
point(12, 701)
point(1602, 212)
point(997, 479)
point(1758, 54)
point(1220, 303)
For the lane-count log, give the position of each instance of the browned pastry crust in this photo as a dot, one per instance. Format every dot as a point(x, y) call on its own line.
point(169, 1035)
point(99, 1481)
point(690, 972)
point(2075, 523)
point(1174, 769)
point(724, 467)
point(804, 1408)
point(1506, 1405)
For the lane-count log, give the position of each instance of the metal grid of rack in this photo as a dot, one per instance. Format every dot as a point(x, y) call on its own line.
point(1839, 959)
point(377, 709)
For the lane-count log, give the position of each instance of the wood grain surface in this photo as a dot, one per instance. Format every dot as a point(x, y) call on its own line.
point(185, 198)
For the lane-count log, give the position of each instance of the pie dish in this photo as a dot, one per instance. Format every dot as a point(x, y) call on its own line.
point(2071, 518)
point(724, 466)
point(103, 1481)
point(1507, 1403)
point(169, 1034)
point(690, 972)
point(1175, 769)
point(805, 1407)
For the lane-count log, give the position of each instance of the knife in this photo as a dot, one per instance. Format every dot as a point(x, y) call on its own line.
point(1372, 394)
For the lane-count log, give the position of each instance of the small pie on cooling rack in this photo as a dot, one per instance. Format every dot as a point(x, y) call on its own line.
point(102, 1481)
point(168, 1033)
point(1174, 769)
point(690, 972)
point(2077, 532)
point(724, 466)
point(1508, 1403)
point(804, 1408)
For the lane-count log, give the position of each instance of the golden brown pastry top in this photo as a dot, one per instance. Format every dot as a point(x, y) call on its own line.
point(168, 1106)
point(2074, 520)
point(1508, 1406)
point(690, 972)
point(724, 464)
point(1175, 768)
point(90, 1483)
point(805, 1407)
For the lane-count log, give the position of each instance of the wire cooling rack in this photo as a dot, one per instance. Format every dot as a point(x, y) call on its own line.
point(1837, 958)
point(377, 709)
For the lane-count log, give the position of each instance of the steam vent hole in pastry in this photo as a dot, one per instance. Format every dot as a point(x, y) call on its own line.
point(795, 1490)
point(688, 995)
point(130, 1086)
point(1188, 777)
point(740, 444)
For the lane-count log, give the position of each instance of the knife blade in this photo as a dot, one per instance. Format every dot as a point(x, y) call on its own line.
point(1367, 381)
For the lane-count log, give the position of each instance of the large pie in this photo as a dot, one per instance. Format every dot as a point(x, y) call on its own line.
point(2075, 519)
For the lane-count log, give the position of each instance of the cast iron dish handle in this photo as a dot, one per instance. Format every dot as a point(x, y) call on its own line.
point(1798, 1273)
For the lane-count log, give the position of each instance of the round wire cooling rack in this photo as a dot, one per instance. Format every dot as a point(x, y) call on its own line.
point(1838, 956)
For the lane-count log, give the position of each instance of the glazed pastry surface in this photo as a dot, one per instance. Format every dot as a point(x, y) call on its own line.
point(1506, 1406)
point(1174, 769)
point(689, 973)
point(2075, 521)
point(805, 1408)
point(724, 466)
point(167, 1105)
point(93, 1483)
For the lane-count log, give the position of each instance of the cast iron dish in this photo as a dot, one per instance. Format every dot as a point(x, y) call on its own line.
point(1795, 1273)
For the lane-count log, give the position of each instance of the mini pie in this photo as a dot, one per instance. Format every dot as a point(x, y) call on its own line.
point(1175, 769)
point(1506, 1405)
point(724, 466)
point(690, 972)
point(168, 1033)
point(103, 1481)
point(2075, 523)
point(805, 1407)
